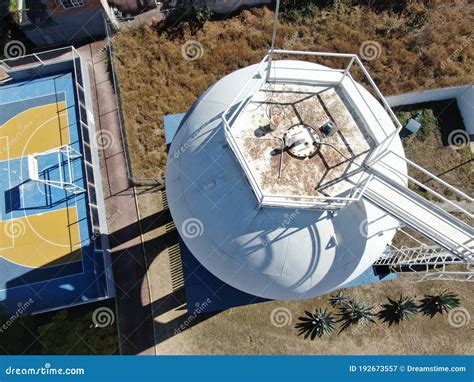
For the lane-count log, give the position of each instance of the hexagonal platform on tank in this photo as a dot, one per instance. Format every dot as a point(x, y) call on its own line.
point(302, 141)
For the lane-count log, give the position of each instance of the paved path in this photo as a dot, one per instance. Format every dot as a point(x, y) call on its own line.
point(135, 320)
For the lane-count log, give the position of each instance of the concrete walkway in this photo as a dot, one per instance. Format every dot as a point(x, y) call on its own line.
point(135, 321)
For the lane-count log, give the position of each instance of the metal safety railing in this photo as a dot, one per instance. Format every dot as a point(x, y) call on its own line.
point(426, 262)
point(38, 60)
point(418, 213)
point(265, 72)
point(460, 195)
point(344, 78)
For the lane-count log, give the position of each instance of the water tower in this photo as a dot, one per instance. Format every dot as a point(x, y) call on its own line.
point(287, 179)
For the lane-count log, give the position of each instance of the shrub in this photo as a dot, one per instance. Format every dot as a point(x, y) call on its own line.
point(354, 313)
point(431, 305)
point(338, 300)
point(319, 323)
point(203, 15)
point(396, 311)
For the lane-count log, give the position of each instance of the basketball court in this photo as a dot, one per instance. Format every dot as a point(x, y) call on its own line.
point(47, 248)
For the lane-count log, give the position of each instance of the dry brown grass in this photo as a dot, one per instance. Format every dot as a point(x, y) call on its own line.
point(155, 80)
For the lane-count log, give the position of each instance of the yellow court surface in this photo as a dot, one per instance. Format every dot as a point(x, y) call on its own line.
point(41, 240)
point(35, 130)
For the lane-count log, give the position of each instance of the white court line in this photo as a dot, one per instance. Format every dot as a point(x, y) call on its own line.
point(4, 234)
point(35, 107)
point(30, 98)
point(9, 185)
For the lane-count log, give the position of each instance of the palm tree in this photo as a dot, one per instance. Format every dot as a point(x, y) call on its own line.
point(431, 305)
point(315, 324)
point(338, 300)
point(396, 311)
point(354, 313)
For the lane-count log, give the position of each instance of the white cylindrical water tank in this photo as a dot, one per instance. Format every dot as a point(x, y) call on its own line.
point(275, 253)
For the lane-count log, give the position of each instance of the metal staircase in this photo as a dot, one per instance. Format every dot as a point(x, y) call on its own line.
point(451, 258)
point(418, 213)
point(427, 255)
point(424, 263)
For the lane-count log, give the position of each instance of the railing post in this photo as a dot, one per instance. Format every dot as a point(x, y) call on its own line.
point(39, 59)
point(275, 26)
point(347, 69)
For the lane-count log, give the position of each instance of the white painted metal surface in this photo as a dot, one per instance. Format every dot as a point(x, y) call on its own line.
point(278, 253)
point(415, 211)
point(290, 251)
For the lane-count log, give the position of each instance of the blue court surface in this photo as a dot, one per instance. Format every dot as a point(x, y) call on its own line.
point(50, 253)
point(200, 284)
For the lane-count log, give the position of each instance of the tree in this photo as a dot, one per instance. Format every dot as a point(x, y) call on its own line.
point(431, 305)
point(396, 311)
point(315, 324)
